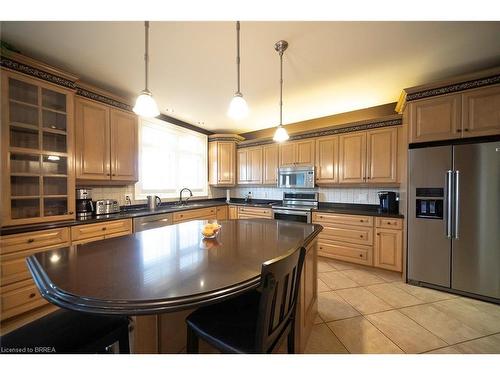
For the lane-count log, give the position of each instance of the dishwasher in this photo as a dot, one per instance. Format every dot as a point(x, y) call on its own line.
point(152, 221)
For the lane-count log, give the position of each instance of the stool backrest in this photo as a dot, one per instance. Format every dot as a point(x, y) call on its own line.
point(280, 284)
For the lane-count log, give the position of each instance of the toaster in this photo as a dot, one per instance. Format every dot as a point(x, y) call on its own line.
point(106, 206)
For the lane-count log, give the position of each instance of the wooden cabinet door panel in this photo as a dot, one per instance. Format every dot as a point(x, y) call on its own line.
point(435, 119)
point(388, 223)
point(481, 112)
point(287, 153)
point(241, 162)
point(18, 298)
point(221, 213)
point(254, 212)
point(270, 155)
point(325, 218)
point(345, 233)
point(345, 251)
point(388, 249)
point(254, 165)
point(225, 163)
point(304, 152)
point(198, 214)
point(124, 148)
point(92, 141)
point(327, 160)
point(352, 158)
point(381, 155)
point(44, 239)
point(233, 212)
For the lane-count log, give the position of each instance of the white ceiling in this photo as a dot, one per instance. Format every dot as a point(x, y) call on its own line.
point(329, 67)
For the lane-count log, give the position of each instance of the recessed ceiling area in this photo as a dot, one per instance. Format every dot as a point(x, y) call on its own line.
point(329, 67)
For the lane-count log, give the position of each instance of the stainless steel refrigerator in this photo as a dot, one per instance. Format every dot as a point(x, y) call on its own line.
point(454, 218)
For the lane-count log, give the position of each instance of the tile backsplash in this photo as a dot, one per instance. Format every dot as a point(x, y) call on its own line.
point(361, 195)
point(119, 193)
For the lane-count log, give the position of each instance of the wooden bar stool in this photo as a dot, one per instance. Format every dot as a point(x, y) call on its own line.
point(67, 331)
point(254, 322)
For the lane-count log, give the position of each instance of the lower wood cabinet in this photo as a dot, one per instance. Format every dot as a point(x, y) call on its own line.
point(254, 212)
point(361, 239)
point(99, 231)
point(233, 212)
point(388, 252)
point(221, 213)
point(198, 214)
point(19, 298)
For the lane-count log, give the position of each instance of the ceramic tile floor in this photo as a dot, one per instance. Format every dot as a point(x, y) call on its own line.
point(365, 310)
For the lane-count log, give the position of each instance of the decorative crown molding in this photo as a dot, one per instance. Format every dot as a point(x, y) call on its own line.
point(454, 88)
point(332, 131)
point(102, 99)
point(5, 62)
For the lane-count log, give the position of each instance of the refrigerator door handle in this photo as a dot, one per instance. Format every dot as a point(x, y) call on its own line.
point(448, 203)
point(457, 204)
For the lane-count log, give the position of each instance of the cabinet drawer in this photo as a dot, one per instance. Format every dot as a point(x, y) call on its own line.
point(34, 240)
point(325, 218)
point(346, 252)
point(254, 212)
point(389, 223)
point(346, 233)
point(19, 298)
point(96, 231)
point(203, 213)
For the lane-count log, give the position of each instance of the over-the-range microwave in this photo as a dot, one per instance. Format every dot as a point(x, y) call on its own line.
point(296, 177)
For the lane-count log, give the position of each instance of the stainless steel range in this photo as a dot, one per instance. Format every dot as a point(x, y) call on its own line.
point(296, 207)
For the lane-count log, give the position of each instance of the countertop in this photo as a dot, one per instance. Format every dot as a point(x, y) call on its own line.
point(137, 211)
point(355, 209)
point(165, 269)
point(142, 210)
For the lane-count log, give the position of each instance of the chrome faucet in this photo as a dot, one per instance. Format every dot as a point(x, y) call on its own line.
point(180, 196)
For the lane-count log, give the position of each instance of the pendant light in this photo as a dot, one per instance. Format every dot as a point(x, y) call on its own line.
point(145, 105)
point(238, 107)
point(281, 134)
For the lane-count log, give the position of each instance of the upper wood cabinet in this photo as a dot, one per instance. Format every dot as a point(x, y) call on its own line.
point(297, 152)
point(270, 156)
point(38, 181)
point(352, 158)
point(106, 143)
point(124, 147)
point(381, 155)
point(435, 118)
point(481, 111)
point(327, 151)
point(249, 161)
point(221, 161)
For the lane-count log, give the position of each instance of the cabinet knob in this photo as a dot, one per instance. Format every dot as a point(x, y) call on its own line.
point(361, 255)
point(466, 129)
point(113, 174)
point(360, 236)
point(71, 212)
point(31, 240)
point(107, 174)
point(459, 130)
point(103, 228)
point(368, 177)
point(378, 234)
point(361, 220)
point(32, 295)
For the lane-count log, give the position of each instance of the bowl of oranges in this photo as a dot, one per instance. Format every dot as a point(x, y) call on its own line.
point(210, 230)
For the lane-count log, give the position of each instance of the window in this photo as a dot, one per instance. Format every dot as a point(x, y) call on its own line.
point(170, 158)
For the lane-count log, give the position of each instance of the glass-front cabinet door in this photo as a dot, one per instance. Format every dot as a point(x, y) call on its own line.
point(37, 151)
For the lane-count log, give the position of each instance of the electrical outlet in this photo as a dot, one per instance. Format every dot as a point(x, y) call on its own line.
point(128, 200)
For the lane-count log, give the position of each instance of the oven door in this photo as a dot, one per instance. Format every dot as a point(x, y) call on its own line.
point(292, 215)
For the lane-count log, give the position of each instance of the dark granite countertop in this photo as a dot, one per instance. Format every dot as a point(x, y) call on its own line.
point(355, 209)
point(136, 211)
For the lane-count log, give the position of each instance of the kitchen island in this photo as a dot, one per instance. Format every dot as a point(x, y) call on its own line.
point(161, 275)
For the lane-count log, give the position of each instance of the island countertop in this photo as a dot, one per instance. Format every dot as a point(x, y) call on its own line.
point(165, 269)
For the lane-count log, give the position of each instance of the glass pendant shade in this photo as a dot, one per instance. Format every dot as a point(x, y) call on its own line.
point(238, 107)
point(281, 135)
point(145, 105)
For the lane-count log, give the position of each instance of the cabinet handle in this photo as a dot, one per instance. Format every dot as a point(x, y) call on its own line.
point(71, 212)
point(32, 295)
point(31, 240)
point(113, 174)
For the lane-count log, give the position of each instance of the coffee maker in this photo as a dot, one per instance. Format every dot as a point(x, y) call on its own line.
point(84, 204)
point(388, 202)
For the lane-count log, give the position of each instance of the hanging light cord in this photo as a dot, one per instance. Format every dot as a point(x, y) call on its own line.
point(146, 53)
point(281, 88)
point(238, 56)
